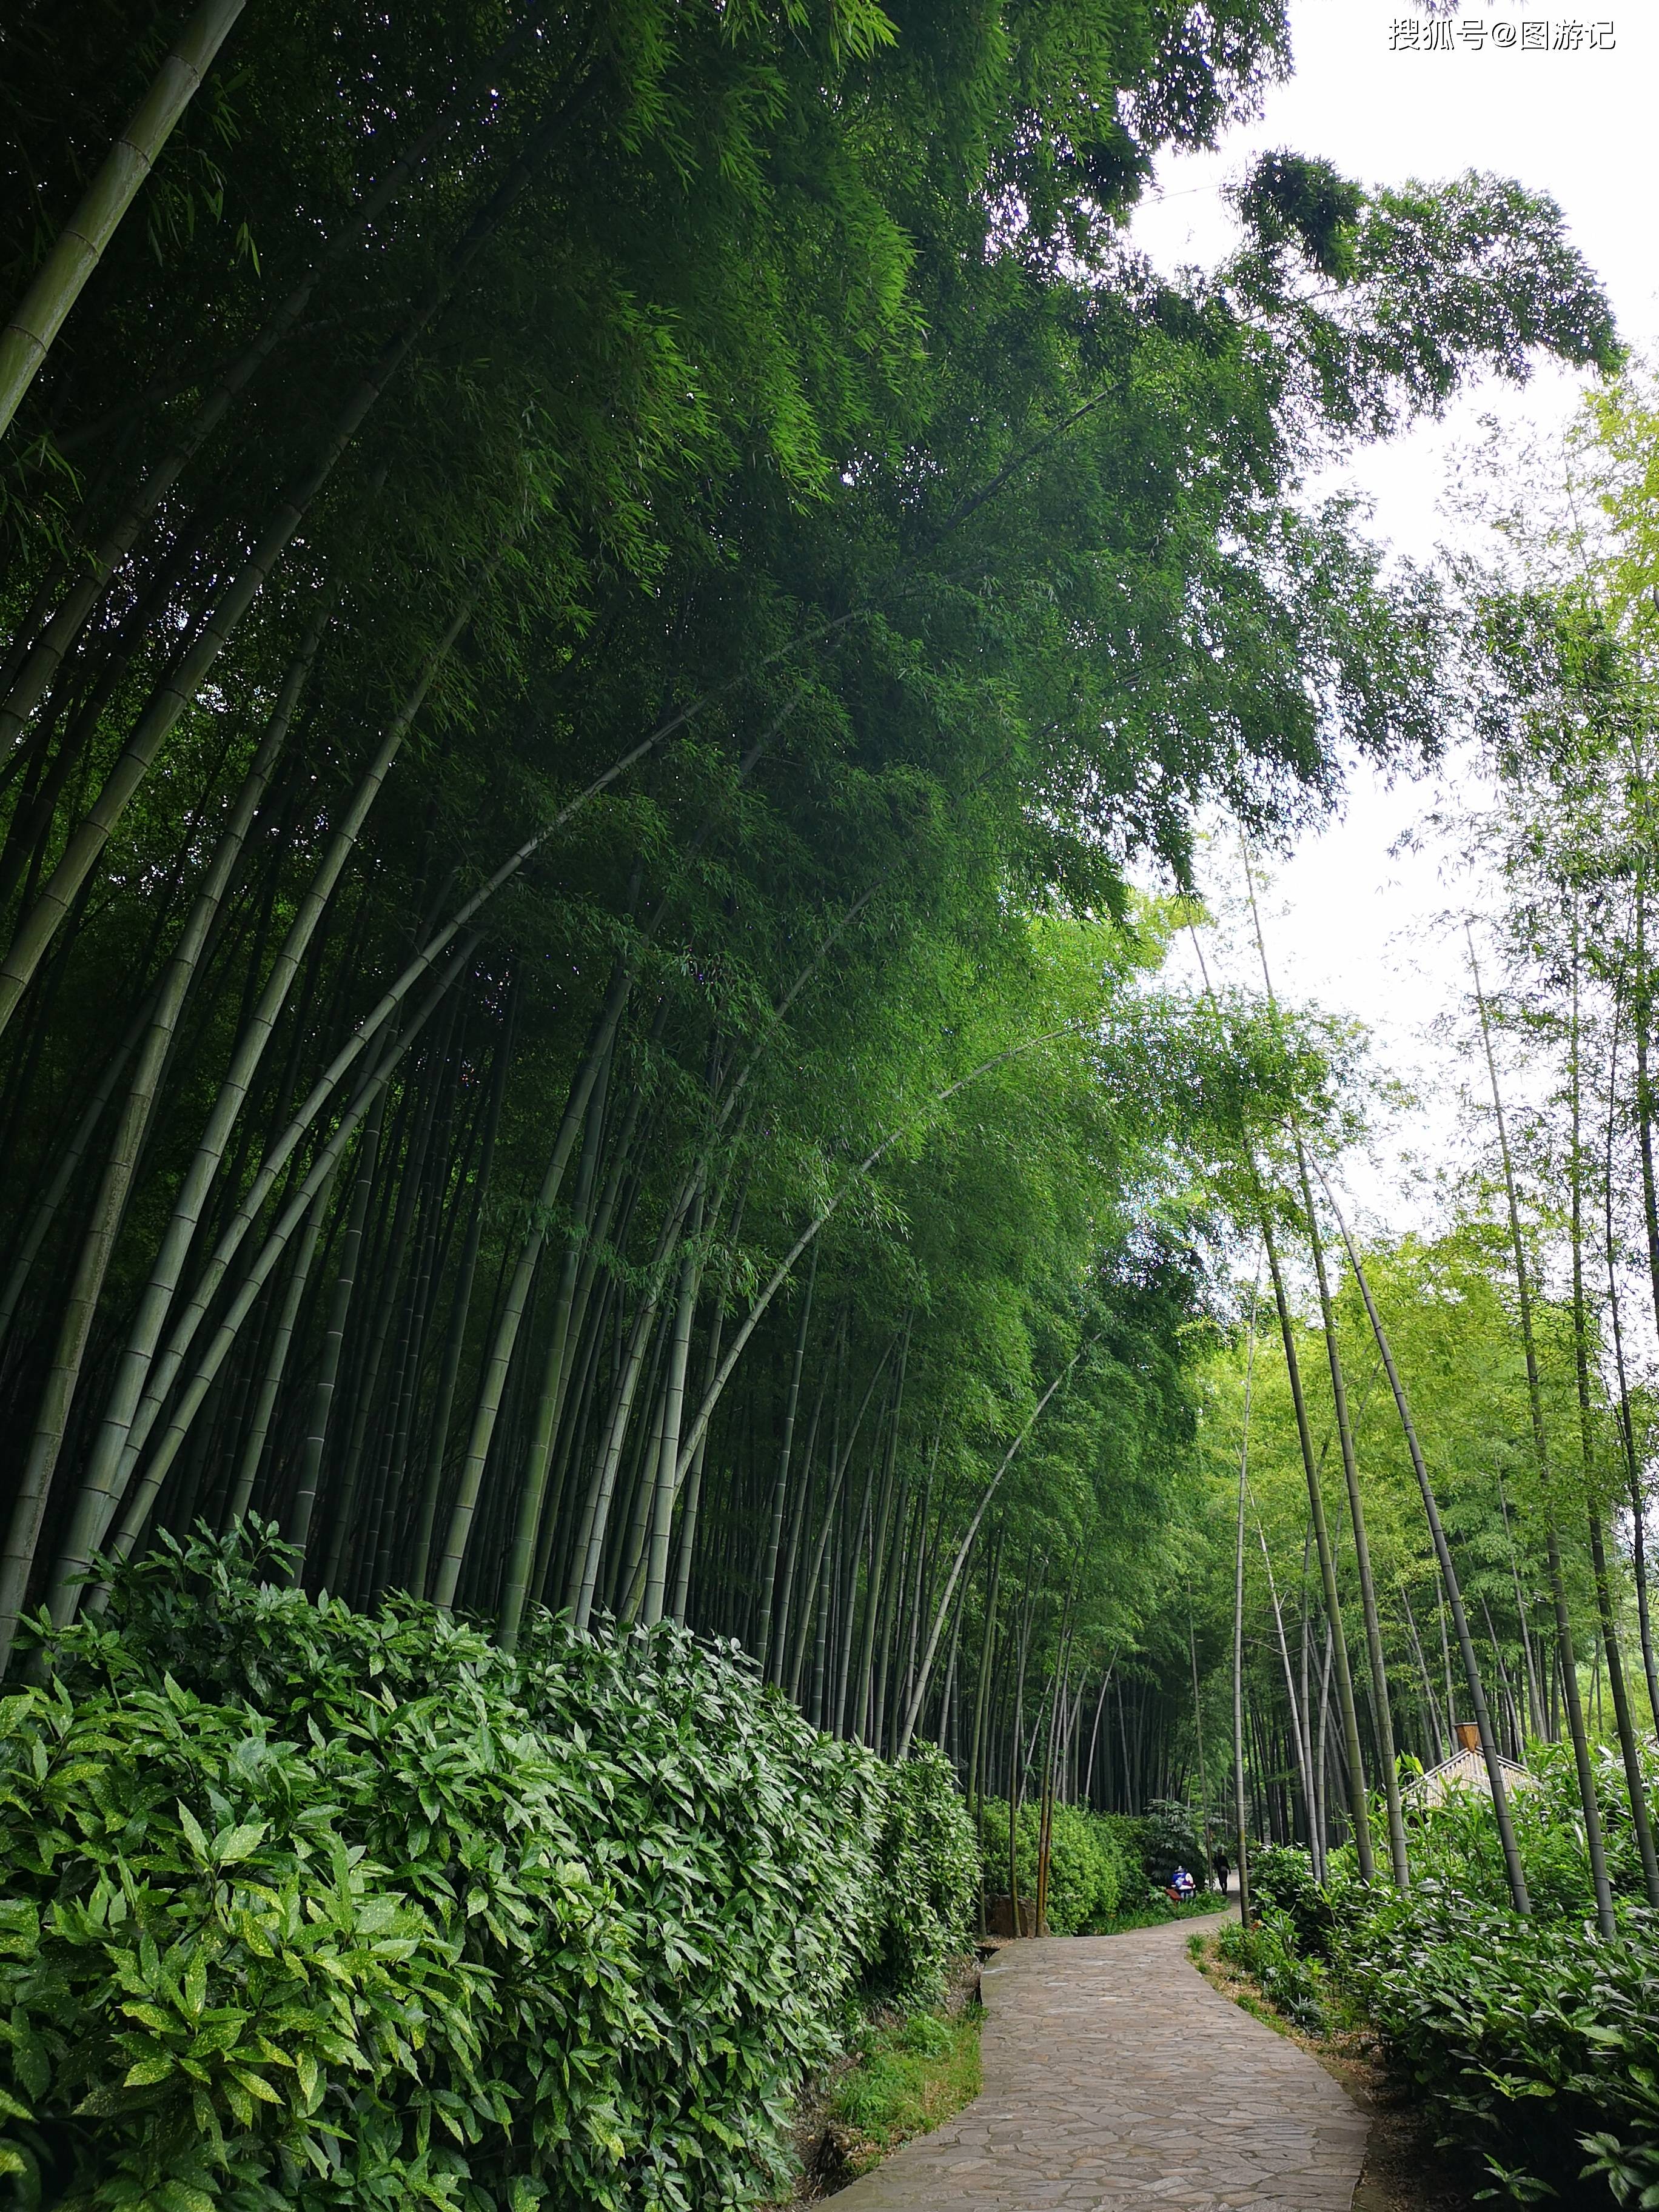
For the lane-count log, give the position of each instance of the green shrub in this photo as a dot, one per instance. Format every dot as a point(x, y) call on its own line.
point(1282, 1880)
point(1536, 2045)
point(1268, 1952)
point(929, 1879)
point(1457, 1843)
point(307, 1909)
point(1171, 1840)
point(1088, 1878)
point(1128, 1832)
point(1534, 2042)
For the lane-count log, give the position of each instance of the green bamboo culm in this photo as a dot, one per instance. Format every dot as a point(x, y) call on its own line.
point(40, 313)
point(1595, 1841)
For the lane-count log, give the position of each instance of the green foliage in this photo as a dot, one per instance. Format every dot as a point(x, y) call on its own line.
point(1536, 2041)
point(1287, 197)
point(1268, 1951)
point(908, 2077)
point(1537, 2044)
point(1089, 1877)
point(1128, 1829)
point(929, 1863)
point(1455, 1844)
point(359, 1911)
point(1171, 1840)
point(1282, 1881)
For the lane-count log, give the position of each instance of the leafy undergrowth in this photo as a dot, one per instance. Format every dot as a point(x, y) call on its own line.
point(909, 2076)
point(905, 2071)
point(1532, 2044)
point(1090, 1872)
point(310, 1910)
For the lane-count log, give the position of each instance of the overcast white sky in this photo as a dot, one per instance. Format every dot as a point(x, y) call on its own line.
point(1354, 926)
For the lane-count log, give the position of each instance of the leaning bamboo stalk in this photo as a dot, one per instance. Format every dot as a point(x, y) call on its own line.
point(875, 1578)
point(1382, 1706)
point(414, 1132)
point(400, 1508)
point(1241, 1816)
point(1627, 1426)
point(556, 1379)
point(271, 1251)
point(1347, 1715)
point(1534, 1703)
point(966, 1545)
point(314, 1438)
point(1634, 1783)
point(1292, 1703)
point(663, 1485)
point(460, 1310)
point(141, 1379)
point(1430, 1710)
point(590, 1322)
point(624, 1562)
point(792, 1623)
point(1517, 1879)
point(780, 1482)
point(842, 1459)
point(499, 1358)
point(39, 315)
point(781, 1273)
point(601, 1489)
point(99, 1243)
point(270, 1382)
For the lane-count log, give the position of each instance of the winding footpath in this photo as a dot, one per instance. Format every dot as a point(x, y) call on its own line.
point(1116, 2080)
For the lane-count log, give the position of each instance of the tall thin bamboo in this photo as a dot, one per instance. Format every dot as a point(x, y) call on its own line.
point(1588, 1805)
point(1517, 1880)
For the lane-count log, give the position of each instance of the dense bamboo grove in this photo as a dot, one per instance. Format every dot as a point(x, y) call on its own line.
point(597, 606)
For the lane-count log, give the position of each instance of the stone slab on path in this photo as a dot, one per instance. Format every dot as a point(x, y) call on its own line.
point(1116, 2080)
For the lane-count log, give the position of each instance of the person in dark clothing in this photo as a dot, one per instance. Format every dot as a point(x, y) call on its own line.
point(1222, 1866)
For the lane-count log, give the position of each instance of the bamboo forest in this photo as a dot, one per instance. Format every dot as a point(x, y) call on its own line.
point(704, 1358)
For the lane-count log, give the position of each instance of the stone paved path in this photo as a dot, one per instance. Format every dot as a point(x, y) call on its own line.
point(1116, 2080)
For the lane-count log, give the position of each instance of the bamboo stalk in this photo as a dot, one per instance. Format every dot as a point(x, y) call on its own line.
point(1517, 1879)
point(780, 1481)
point(259, 1427)
point(86, 1523)
point(1634, 1783)
point(1590, 1809)
point(1347, 1715)
point(966, 1545)
point(271, 1251)
point(142, 1376)
point(39, 315)
point(505, 1338)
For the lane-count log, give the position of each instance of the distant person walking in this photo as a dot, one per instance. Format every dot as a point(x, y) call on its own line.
point(1223, 1868)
